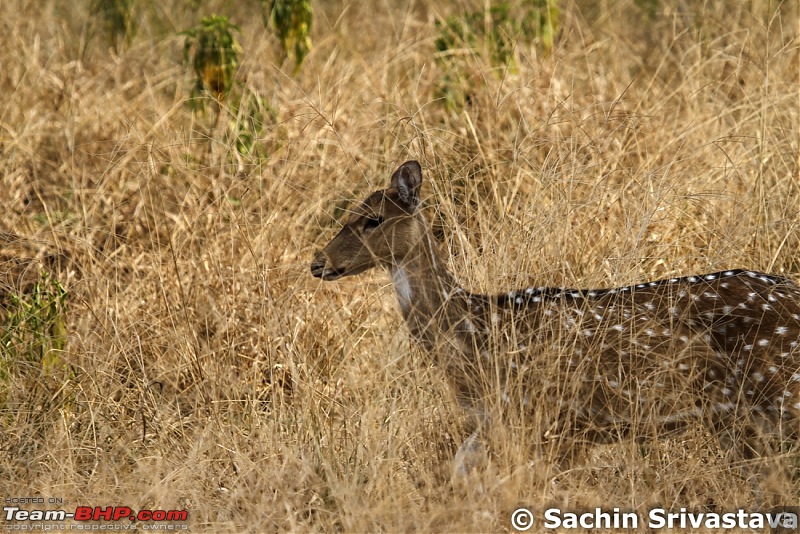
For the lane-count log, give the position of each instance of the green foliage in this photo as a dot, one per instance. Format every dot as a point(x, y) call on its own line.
point(291, 20)
point(494, 31)
point(542, 22)
point(493, 28)
point(251, 115)
point(649, 7)
point(33, 331)
point(213, 52)
point(117, 20)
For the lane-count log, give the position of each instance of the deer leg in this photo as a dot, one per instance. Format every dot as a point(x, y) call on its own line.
point(471, 455)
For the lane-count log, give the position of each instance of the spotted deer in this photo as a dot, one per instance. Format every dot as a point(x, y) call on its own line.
point(593, 365)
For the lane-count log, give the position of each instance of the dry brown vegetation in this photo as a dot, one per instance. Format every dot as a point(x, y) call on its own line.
point(205, 369)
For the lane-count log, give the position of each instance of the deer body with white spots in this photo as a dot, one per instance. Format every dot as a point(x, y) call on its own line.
point(589, 365)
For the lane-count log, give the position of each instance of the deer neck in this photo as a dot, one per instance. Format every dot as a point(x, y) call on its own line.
point(429, 296)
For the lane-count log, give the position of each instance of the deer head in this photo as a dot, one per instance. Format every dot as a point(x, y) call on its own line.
point(380, 231)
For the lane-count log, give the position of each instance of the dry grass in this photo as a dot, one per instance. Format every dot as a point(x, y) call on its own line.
point(209, 371)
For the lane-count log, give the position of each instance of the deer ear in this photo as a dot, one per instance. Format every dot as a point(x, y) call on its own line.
point(407, 179)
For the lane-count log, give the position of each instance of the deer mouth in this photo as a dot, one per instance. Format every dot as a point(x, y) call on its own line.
point(320, 270)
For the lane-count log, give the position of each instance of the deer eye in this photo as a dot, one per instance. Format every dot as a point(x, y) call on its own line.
point(373, 222)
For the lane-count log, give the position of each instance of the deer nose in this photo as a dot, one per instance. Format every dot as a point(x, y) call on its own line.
point(318, 265)
point(321, 269)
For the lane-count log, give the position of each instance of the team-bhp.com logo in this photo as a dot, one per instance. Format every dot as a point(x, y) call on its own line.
point(94, 514)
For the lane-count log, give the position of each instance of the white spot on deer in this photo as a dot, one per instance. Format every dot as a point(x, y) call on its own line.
point(727, 309)
point(650, 306)
point(724, 285)
point(673, 280)
point(692, 279)
point(618, 327)
point(640, 286)
point(781, 330)
point(592, 293)
point(710, 295)
point(402, 287)
point(758, 377)
point(469, 326)
point(711, 276)
point(773, 369)
point(729, 273)
point(518, 300)
point(495, 318)
point(683, 367)
point(763, 342)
